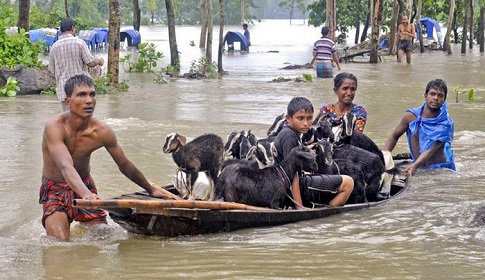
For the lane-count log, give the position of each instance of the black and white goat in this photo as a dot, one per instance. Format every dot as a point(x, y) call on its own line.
point(264, 152)
point(238, 144)
point(245, 145)
point(245, 183)
point(328, 165)
point(356, 138)
point(277, 125)
point(204, 153)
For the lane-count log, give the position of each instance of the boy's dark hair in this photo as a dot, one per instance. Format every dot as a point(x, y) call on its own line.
point(339, 79)
point(325, 31)
point(438, 84)
point(299, 103)
point(245, 25)
point(67, 24)
point(78, 80)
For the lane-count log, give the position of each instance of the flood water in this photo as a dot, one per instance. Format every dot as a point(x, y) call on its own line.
point(428, 233)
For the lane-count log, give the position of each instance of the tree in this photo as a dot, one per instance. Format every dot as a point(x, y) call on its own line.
point(210, 27)
point(114, 41)
point(291, 5)
point(447, 43)
point(66, 8)
point(480, 28)
point(331, 18)
point(203, 28)
point(136, 15)
point(151, 7)
point(172, 39)
point(465, 25)
point(24, 12)
point(220, 70)
point(374, 41)
point(420, 31)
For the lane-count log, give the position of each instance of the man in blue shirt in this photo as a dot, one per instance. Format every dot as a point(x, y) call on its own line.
point(429, 129)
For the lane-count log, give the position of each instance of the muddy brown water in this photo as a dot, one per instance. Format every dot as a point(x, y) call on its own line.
point(428, 233)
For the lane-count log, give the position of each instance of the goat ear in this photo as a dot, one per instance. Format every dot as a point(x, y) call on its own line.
point(251, 152)
point(182, 140)
point(274, 151)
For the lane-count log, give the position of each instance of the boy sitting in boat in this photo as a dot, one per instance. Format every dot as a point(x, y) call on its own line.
point(299, 119)
point(429, 130)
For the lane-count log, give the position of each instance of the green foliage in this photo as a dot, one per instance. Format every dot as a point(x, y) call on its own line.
point(197, 67)
point(10, 88)
point(470, 93)
point(102, 86)
point(17, 49)
point(147, 59)
point(44, 18)
point(308, 77)
point(49, 91)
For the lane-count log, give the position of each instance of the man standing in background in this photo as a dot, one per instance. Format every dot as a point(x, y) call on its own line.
point(324, 53)
point(68, 57)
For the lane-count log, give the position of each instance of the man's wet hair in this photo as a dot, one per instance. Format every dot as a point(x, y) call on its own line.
point(78, 80)
point(325, 31)
point(67, 24)
point(339, 79)
point(437, 84)
point(299, 103)
point(245, 25)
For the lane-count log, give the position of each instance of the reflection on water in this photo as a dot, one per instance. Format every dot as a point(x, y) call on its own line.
point(428, 233)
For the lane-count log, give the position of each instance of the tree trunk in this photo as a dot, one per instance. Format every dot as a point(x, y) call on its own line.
point(374, 42)
point(357, 32)
point(172, 39)
point(66, 8)
point(472, 23)
point(114, 41)
point(331, 20)
point(24, 11)
point(420, 31)
point(393, 28)
point(136, 15)
point(409, 8)
point(363, 37)
point(220, 70)
point(447, 42)
point(481, 26)
point(465, 26)
point(210, 27)
point(203, 28)
point(242, 11)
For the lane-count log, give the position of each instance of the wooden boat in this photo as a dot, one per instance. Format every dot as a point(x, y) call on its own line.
point(147, 215)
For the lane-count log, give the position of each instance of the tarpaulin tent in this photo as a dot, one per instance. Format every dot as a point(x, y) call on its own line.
point(234, 36)
point(429, 25)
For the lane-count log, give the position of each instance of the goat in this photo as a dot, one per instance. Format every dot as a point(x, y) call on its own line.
point(263, 152)
point(370, 164)
point(328, 165)
point(238, 144)
point(239, 182)
point(204, 153)
point(356, 138)
point(277, 125)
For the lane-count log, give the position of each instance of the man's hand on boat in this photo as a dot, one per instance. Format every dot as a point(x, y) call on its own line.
point(410, 169)
point(156, 192)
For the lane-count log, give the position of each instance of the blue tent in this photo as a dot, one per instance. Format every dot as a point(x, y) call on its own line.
point(234, 36)
point(132, 36)
point(429, 25)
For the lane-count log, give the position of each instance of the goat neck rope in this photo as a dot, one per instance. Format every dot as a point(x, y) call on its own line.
point(284, 176)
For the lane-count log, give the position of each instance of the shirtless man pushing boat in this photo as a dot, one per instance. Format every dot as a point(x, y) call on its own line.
point(69, 139)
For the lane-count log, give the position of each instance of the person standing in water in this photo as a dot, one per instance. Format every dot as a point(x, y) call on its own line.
point(324, 54)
